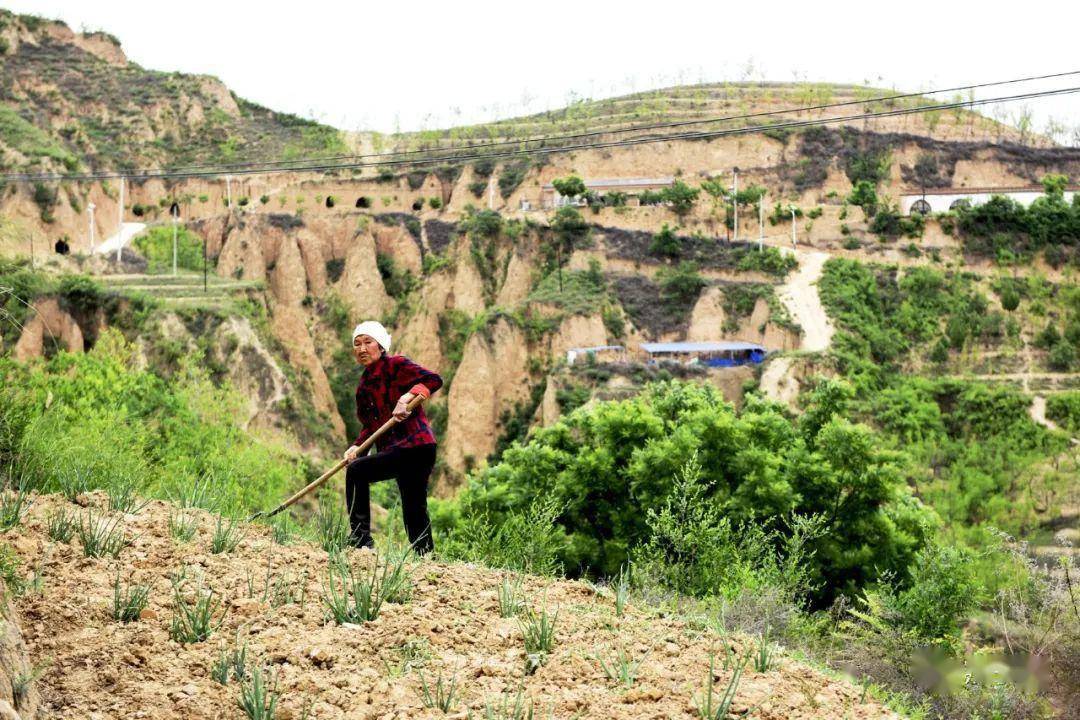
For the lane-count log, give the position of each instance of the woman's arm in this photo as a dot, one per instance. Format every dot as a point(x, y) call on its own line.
point(413, 379)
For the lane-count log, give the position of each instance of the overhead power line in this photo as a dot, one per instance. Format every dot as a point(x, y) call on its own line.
point(432, 160)
point(615, 131)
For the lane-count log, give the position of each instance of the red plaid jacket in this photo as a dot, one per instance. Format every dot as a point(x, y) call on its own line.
point(383, 382)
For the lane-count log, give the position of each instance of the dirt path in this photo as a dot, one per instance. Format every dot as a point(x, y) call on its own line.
point(799, 294)
point(777, 382)
point(128, 230)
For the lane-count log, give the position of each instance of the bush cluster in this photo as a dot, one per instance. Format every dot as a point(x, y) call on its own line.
point(1002, 225)
point(601, 465)
point(164, 437)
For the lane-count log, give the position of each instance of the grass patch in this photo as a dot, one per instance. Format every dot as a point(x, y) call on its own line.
point(101, 537)
point(129, 602)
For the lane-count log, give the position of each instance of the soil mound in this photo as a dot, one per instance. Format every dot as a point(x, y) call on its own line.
point(272, 598)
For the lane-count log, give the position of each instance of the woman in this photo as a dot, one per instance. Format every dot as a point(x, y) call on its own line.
point(405, 452)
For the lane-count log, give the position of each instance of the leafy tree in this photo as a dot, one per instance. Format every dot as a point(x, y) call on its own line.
point(681, 196)
point(1054, 185)
point(571, 186)
point(570, 231)
point(484, 223)
point(864, 194)
point(1062, 356)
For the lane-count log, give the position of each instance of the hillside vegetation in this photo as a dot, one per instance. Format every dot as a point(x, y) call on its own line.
point(72, 103)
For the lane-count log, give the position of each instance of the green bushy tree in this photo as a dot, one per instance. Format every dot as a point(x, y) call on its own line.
point(681, 196)
point(606, 465)
point(570, 186)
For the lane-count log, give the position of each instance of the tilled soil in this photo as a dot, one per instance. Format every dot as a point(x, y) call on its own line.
point(99, 668)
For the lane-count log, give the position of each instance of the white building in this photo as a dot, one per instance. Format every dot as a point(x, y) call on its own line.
point(945, 199)
point(550, 198)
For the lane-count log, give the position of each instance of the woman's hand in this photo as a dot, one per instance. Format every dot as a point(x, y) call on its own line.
point(401, 410)
point(352, 453)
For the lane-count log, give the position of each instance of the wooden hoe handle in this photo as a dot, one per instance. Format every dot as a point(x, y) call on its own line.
point(364, 447)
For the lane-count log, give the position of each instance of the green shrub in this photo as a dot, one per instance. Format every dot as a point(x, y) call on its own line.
point(1064, 409)
point(173, 436)
point(46, 196)
point(864, 194)
point(597, 467)
point(682, 284)
point(1010, 299)
point(397, 281)
point(512, 175)
point(1062, 356)
point(889, 223)
point(681, 196)
point(482, 223)
point(768, 260)
point(524, 538)
point(665, 243)
point(693, 550)
point(942, 591)
point(782, 213)
point(156, 245)
point(1003, 223)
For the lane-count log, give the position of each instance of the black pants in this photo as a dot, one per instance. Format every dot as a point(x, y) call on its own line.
point(411, 467)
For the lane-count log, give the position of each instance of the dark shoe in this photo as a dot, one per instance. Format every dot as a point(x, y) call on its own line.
point(361, 542)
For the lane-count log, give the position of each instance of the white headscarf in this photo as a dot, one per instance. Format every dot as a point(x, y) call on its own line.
point(376, 331)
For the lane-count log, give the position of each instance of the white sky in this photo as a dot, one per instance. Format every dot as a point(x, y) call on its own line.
point(396, 65)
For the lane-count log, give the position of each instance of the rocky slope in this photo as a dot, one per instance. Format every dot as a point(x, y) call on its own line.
point(272, 604)
point(72, 101)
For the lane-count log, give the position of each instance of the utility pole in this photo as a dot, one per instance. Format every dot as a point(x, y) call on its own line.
point(228, 191)
point(175, 217)
point(735, 199)
point(120, 222)
point(761, 224)
point(90, 207)
point(491, 192)
point(793, 244)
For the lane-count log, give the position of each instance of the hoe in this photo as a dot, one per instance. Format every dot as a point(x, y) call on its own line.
point(318, 482)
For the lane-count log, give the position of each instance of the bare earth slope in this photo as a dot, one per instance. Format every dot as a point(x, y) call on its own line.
point(98, 668)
